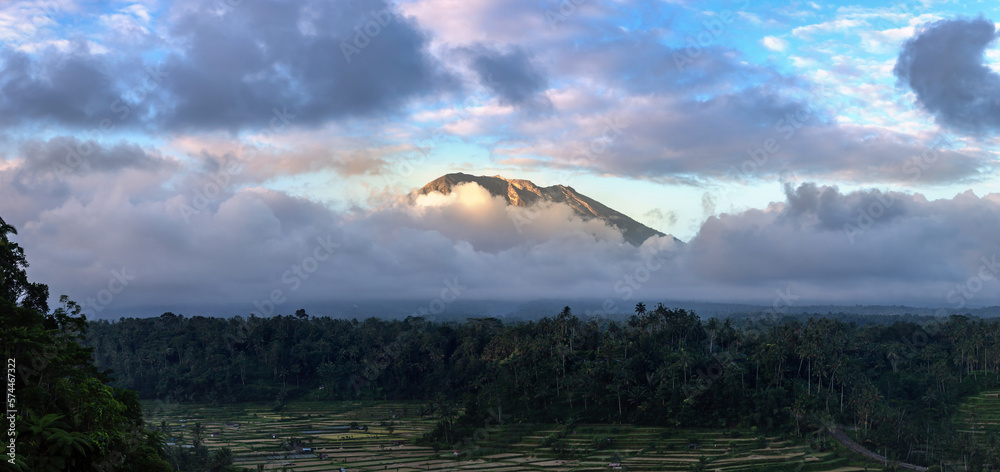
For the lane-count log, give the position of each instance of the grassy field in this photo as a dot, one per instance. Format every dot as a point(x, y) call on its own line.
point(260, 440)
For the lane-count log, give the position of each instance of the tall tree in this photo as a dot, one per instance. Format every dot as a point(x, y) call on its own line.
point(67, 416)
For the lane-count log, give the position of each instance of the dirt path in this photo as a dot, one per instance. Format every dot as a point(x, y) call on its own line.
point(844, 439)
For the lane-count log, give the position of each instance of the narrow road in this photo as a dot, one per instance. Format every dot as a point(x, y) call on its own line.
point(844, 439)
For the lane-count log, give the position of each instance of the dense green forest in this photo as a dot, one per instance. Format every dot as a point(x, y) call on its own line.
point(64, 414)
point(895, 385)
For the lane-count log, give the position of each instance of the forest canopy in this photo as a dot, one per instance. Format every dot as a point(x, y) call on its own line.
point(897, 383)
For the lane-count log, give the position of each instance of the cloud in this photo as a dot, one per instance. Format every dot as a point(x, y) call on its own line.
point(229, 70)
point(864, 246)
point(64, 155)
point(774, 44)
point(320, 61)
point(943, 64)
point(241, 249)
point(354, 86)
point(755, 134)
point(74, 87)
point(512, 76)
point(839, 24)
point(664, 97)
point(822, 244)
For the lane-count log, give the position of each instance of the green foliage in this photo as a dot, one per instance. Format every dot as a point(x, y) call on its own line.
point(220, 460)
point(894, 385)
point(68, 417)
point(602, 442)
point(57, 448)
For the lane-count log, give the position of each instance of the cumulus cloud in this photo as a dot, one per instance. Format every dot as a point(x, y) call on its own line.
point(755, 134)
point(230, 69)
point(320, 61)
point(512, 76)
point(774, 43)
point(252, 241)
point(355, 86)
point(871, 246)
point(943, 64)
point(369, 78)
point(74, 87)
point(231, 257)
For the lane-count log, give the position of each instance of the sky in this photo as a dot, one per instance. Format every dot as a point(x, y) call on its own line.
point(236, 156)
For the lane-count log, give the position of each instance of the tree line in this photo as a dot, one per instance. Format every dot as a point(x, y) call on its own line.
point(895, 385)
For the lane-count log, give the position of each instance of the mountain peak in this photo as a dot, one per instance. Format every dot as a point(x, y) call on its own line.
point(523, 193)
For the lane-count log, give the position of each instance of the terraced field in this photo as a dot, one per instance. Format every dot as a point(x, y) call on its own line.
point(265, 440)
point(981, 414)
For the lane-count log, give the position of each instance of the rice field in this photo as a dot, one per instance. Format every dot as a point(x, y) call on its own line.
point(381, 436)
point(980, 415)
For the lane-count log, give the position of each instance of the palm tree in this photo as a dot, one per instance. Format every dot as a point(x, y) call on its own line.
point(220, 460)
point(61, 448)
point(197, 432)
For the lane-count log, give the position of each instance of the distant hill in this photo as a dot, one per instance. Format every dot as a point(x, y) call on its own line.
point(524, 193)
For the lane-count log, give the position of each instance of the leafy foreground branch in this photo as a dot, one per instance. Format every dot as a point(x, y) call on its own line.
point(65, 416)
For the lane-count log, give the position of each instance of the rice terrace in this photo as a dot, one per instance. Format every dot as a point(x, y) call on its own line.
point(377, 436)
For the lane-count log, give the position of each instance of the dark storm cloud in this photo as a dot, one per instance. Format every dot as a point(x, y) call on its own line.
point(943, 65)
point(832, 210)
point(81, 156)
point(512, 76)
point(307, 63)
point(75, 87)
point(316, 61)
